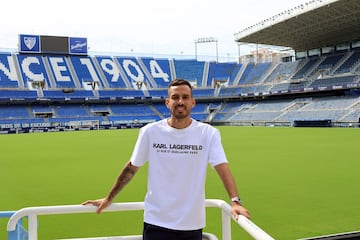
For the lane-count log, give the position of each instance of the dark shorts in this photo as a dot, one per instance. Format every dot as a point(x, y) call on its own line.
point(153, 232)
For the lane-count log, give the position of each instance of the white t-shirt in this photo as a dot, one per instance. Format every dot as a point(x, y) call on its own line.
point(178, 161)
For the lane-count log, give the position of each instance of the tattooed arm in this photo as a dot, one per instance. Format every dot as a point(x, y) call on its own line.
point(122, 180)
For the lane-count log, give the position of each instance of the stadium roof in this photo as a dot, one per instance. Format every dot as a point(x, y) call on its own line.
point(315, 24)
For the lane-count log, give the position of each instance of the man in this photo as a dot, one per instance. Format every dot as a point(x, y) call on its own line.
point(178, 150)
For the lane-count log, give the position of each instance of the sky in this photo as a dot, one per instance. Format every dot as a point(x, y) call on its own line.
point(147, 27)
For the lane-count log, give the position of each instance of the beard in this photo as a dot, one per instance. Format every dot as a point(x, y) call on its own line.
point(184, 113)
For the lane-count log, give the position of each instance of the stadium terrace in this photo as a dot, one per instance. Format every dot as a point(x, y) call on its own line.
point(49, 90)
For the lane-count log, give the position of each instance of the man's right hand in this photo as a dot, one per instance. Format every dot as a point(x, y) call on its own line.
point(100, 203)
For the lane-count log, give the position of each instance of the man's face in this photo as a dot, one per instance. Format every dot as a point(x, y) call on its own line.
point(180, 101)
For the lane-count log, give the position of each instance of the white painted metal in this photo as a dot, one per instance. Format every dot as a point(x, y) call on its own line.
point(32, 213)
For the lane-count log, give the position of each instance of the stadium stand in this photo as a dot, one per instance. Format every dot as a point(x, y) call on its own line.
point(222, 72)
point(57, 91)
point(51, 91)
point(191, 70)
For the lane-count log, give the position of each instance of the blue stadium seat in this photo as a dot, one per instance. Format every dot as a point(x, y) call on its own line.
point(8, 73)
point(159, 70)
point(85, 70)
point(32, 68)
point(225, 72)
point(68, 94)
point(17, 94)
point(191, 70)
point(111, 71)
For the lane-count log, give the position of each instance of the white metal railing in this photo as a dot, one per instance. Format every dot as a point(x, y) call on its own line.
point(32, 212)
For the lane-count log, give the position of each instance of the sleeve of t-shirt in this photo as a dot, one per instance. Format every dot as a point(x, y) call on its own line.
point(140, 153)
point(217, 154)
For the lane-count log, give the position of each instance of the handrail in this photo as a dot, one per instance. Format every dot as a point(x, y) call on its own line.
point(32, 213)
point(251, 228)
point(6, 214)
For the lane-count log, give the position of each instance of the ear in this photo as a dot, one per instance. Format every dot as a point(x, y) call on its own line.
point(193, 103)
point(167, 102)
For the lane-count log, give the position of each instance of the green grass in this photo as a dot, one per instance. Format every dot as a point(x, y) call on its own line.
point(296, 182)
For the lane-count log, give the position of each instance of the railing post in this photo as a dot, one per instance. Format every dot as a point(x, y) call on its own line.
point(226, 225)
point(33, 227)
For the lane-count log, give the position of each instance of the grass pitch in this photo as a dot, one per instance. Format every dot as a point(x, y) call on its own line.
point(296, 182)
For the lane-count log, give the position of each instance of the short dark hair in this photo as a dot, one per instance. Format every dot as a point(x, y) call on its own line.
point(180, 81)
